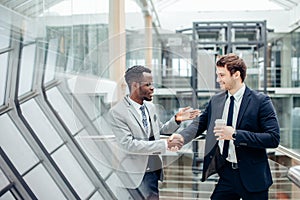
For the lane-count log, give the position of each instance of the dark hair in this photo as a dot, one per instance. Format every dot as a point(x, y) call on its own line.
point(233, 63)
point(135, 74)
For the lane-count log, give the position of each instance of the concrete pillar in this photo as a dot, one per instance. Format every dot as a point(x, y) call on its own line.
point(149, 41)
point(117, 45)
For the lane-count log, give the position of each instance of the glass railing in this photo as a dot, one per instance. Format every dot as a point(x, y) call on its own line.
point(182, 179)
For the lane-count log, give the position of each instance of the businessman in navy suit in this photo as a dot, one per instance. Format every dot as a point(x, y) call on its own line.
point(243, 166)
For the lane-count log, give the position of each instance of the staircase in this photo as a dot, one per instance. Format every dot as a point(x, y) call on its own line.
point(180, 182)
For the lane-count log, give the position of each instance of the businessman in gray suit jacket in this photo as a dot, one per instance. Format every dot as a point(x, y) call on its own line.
point(137, 128)
point(237, 150)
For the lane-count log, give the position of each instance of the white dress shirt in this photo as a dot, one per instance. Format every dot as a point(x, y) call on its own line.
point(238, 96)
point(138, 110)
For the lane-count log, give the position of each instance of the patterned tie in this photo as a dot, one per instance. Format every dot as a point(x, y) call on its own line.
point(145, 121)
point(229, 123)
point(154, 162)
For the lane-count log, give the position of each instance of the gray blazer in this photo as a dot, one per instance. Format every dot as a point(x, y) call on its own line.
point(133, 143)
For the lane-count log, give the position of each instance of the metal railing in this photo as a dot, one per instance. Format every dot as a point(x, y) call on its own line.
point(294, 175)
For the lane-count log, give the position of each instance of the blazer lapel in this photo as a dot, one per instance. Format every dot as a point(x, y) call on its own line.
point(220, 102)
point(134, 113)
point(151, 119)
point(244, 104)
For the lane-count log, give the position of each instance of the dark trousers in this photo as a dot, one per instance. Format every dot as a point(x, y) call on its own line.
point(148, 189)
point(230, 186)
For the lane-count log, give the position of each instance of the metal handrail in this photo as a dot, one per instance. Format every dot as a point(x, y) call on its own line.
point(288, 152)
point(294, 175)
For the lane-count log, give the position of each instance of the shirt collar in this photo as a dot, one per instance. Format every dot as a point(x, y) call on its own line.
point(239, 94)
point(135, 104)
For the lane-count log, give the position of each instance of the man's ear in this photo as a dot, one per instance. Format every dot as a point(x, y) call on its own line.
point(135, 85)
point(237, 74)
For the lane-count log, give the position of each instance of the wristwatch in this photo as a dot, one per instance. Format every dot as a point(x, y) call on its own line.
point(234, 134)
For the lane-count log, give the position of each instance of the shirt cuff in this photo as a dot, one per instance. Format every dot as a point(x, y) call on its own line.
point(166, 144)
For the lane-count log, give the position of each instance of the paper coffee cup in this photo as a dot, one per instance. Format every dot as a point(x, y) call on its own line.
point(220, 123)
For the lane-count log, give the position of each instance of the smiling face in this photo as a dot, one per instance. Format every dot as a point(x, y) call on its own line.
point(227, 81)
point(143, 89)
point(146, 88)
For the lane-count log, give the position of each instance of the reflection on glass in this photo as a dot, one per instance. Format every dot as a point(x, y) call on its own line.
point(295, 129)
point(4, 37)
point(73, 172)
point(64, 110)
point(95, 150)
point(3, 180)
point(96, 196)
point(27, 66)
point(52, 54)
point(8, 196)
point(41, 125)
point(3, 75)
point(15, 146)
point(46, 191)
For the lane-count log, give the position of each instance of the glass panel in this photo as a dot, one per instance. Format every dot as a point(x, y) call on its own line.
point(114, 184)
point(41, 125)
point(94, 149)
point(89, 106)
point(64, 110)
point(4, 36)
point(48, 190)
point(15, 146)
point(96, 196)
point(27, 66)
point(7, 196)
point(295, 137)
point(3, 75)
point(51, 59)
point(73, 172)
point(70, 61)
point(3, 180)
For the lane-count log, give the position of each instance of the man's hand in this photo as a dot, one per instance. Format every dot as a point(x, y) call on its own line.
point(187, 113)
point(175, 142)
point(224, 133)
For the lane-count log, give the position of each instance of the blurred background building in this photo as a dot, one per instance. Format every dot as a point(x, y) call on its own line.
point(61, 68)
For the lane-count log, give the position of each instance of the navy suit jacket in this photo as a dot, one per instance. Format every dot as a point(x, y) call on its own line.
point(257, 129)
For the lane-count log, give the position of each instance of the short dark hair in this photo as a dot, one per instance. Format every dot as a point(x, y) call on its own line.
point(135, 74)
point(233, 63)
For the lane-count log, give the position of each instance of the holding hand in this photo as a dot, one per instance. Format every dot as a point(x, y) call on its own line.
point(224, 133)
point(175, 142)
point(187, 113)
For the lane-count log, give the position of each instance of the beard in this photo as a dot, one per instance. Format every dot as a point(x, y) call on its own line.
point(147, 98)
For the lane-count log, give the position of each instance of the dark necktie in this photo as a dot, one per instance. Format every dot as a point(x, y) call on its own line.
point(229, 123)
point(145, 121)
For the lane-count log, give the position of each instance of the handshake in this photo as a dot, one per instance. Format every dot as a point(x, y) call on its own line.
point(175, 142)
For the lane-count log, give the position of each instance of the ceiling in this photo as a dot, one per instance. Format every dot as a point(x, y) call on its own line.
point(34, 8)
point(214, 5)
point(29, 8)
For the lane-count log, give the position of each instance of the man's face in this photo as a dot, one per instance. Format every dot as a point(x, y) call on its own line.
point(146, 88)
point(224, 78)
